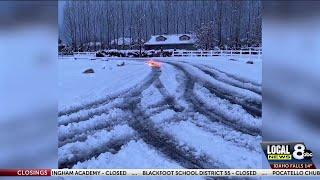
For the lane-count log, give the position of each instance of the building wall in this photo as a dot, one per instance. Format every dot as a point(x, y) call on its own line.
point(170, 46)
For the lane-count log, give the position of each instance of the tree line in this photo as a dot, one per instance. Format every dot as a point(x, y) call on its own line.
point(234, 23)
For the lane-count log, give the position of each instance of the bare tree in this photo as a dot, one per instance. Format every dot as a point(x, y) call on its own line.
point(167, 11)
point(70, 23)
point(122, 17)
point(204, 34)
point(138, 19)
point(153, 17)
point(236, 22)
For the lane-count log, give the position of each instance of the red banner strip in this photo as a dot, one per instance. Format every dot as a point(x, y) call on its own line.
point(25, 172)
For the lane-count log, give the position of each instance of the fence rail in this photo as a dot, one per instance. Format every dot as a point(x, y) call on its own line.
point(257, 52)
point(84, 53)
point(249, 52)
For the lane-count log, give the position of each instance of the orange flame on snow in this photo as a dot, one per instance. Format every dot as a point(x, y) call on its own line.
point(154, 64)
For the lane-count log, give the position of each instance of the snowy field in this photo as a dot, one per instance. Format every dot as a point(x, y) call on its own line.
point(191, 113)
point(76, 87)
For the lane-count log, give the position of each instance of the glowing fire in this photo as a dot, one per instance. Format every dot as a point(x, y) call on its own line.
point(154, 64)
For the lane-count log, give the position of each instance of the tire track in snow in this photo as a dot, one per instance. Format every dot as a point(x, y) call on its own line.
point(66, 162)
point(94, 104)
point(86, 114)
point(100, 142)
point(101, 123)
point(108, 98)
point(147, 130)
point(233, 113)
point(228, 134)
point(112, 146)
point(198, 106)
point(251, 107)
point(166, 144)
point(151, 134)
point(243, 80)
point(215, 128)
point(163, 142)
point(78, 131)
point(168, 99)
point(95, 110)
point(231, 81)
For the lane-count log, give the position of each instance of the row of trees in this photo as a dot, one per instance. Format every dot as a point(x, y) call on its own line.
point(233, 23)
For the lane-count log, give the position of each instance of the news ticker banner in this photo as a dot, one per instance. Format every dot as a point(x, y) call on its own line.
point(285, 159)
point(160, 172)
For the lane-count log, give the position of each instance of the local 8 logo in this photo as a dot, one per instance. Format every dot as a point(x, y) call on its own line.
point(301, 152)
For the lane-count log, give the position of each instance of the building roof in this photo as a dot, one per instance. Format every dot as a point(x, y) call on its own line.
point(170, 39)
point(122, 41)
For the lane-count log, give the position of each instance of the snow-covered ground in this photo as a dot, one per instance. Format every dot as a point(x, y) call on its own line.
point(234, 65)
point(191, 113)
point(76, 87)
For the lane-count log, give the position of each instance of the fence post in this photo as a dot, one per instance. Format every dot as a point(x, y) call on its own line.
point(260, 53)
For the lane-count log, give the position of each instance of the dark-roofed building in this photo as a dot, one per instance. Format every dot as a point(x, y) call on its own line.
point(171, 41)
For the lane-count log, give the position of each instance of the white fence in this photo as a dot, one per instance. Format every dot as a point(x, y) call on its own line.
point(77, 54)
point(257, 52)
point(248, 52)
